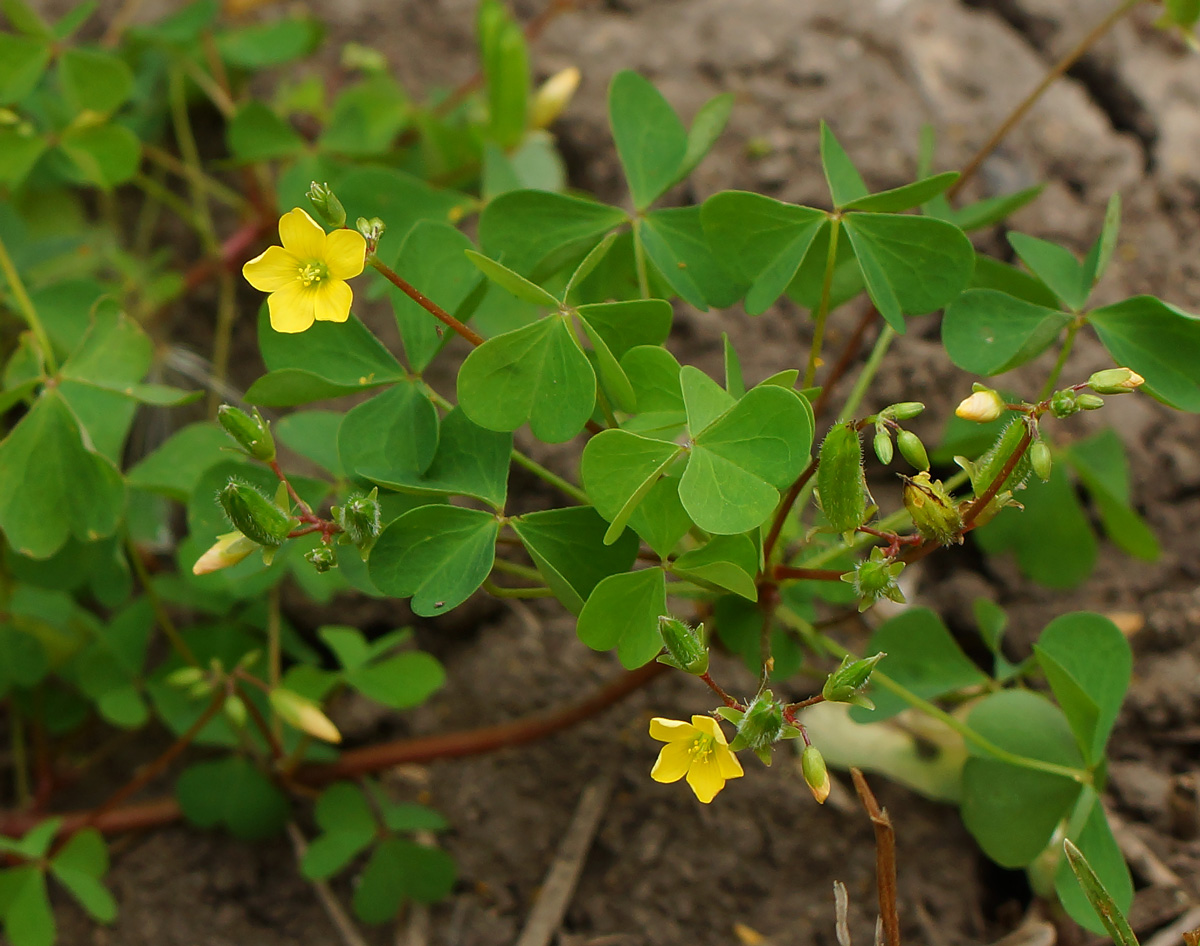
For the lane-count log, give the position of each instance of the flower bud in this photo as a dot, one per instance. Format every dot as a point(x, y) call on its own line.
point(184, 677)
point(235, 710)
point(359, 518)
point(982, 406)
point(761, 727)
point(255, 516)
point(905, 410)
point(685, 647)
point(875, 578)
point(841, 484)
point(844, 685)
point(1064, 403)
point(816, 775)
point(1115, 381)
point(553, 96)
point(252, 434)
point(228, 550)
point(933, 511)
point(1040, 460)
point(1090, 402)
point(322, 558)
point(912, 449)
point(328, 208)
point(883, 445)
point(303, 714)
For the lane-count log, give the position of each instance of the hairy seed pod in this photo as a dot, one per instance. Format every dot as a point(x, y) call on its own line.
point(685, 647)
point(988, 467)
point(841, 483)
point(255, 516)
point(933, 511)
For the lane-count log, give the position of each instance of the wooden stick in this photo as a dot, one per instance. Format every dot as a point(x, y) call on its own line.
point(885, 859)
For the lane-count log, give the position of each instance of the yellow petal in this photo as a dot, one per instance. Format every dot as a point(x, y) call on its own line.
point(670, 730)
point(332, 300)
point(705, 778)
point(292, 308)
point(301, 235)
point(673, 762)
point(345, 251)
point(728, 763)
point(272, 270)
point(708, 726)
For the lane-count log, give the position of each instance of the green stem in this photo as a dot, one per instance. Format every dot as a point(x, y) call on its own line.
point(1056, 371)
point(497, 591)
point(639, 260)
point(819, 640)
point(161, 614)
point(521, 571)
point(867, 376)
point(154, 189)
point(26, 308)
point(814, 351)
point(20, 754)
point(274, 647)
point(565, 486)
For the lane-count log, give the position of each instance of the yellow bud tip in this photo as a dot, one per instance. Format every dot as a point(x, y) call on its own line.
point(553, 97)
point(981, 407)
point(228, 550)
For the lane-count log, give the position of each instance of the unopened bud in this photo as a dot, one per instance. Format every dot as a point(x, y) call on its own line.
point(685, 647)
point(761, 727)
point(816, 775)
point(322, 558)
point(933, 511)
point(553, 97)
point(912, 449)
point(883, 445)
point(1115, 381)
point(255, 516)
point(327, 206)
point(303, 714)
point(905, 410)
point(845, 684)
point(875, 578)
point(184, 677)
point(251, 433)
point(228, 550)
point(359, 518)
point(982, 406)
point(1040, 460)
point(1090, 402)
point(235, 709)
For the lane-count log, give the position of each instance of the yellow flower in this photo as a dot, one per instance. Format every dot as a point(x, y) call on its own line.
point(698, 750)
point(306, 277)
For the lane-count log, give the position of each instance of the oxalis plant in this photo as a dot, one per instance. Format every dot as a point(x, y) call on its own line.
point(701, 511)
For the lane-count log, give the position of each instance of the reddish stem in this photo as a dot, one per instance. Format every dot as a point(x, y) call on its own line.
point(720, 691)
point(425, 302)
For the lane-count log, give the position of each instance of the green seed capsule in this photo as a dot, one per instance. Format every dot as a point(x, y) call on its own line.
point(255, 516)
point(252, 434)
point(685, 647)
point(905, 410)
point(912, 449)
point(989, 466)
point(933, 511)
point(762, 725)
point(322, 558)
point(1039, 459)
point(841, 484)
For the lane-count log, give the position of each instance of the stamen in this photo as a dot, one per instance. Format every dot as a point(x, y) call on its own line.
point(312, 272)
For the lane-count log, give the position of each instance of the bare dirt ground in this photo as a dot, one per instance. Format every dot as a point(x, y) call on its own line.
point(665, 870)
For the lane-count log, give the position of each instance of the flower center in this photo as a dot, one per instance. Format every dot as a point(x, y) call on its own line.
point(701, 748)
point(313, 272)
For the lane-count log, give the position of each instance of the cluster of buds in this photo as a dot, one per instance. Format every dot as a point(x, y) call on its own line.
point(909, 444)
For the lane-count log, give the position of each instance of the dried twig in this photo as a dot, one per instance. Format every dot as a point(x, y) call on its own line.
point(559, 886)
point(885, 860)
point(1171, 935)
point(333, 909)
